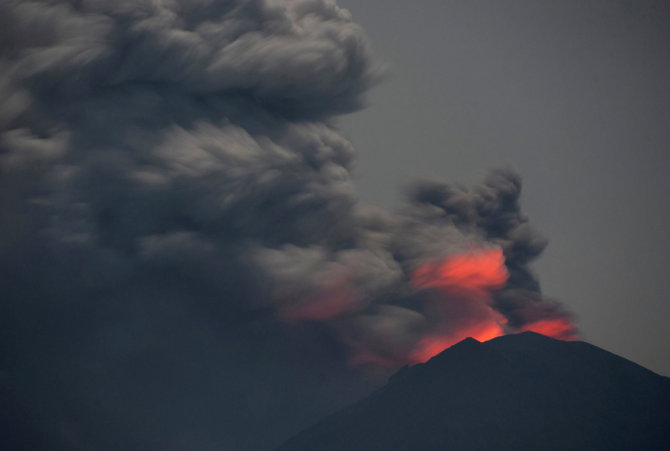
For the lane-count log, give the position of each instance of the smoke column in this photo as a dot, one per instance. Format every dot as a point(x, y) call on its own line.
point(178, 212)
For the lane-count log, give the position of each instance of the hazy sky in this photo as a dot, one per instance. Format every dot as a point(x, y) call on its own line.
point(575, 95)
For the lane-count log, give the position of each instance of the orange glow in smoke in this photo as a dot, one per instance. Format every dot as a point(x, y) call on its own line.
point(464, 278)
point(559, 328)
point(457, 307)
point(474, 272)
point(430, 346)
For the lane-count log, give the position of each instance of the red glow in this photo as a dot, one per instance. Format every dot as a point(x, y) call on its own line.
point(559, 328)
point(457, 304)
point(430, 346)
point(465, 282)
point(475, 272)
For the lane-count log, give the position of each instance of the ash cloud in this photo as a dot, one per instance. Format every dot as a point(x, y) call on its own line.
point(184, 256)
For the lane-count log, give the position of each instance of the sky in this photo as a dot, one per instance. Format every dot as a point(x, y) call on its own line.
point(575, 96)
point(225, 217)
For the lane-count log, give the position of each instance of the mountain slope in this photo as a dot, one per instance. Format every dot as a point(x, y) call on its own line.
point(517, 392)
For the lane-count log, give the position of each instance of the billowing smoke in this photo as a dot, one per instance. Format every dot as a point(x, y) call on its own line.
point(178, 216)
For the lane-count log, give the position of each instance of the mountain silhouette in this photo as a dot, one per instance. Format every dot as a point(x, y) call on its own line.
point(517, 392)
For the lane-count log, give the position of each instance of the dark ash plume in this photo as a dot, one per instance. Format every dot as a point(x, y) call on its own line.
point(179, 222)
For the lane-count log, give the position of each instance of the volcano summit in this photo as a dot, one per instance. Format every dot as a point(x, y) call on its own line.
point(517, 392)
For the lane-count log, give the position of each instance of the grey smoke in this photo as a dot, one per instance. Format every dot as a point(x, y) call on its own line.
point(172, 189)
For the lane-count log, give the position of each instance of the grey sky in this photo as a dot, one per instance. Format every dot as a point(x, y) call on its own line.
point(575, 96)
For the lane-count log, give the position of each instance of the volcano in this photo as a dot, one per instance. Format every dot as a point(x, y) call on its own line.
point(516, 392)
